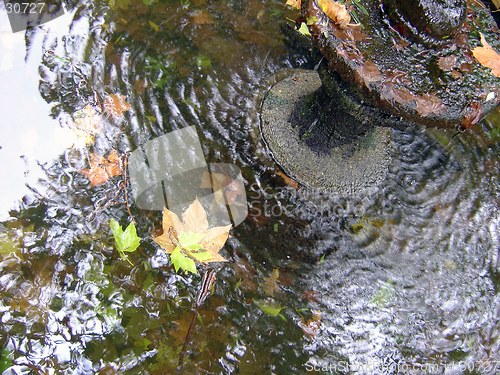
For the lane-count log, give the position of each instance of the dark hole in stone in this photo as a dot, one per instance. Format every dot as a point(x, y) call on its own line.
point(323, 124)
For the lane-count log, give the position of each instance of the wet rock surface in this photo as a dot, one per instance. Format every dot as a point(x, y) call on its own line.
point(413, 62)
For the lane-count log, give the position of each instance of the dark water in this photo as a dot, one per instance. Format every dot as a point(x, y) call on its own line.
point(404, 280)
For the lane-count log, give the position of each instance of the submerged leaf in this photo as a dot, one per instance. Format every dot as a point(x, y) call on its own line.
point(116, 105)
point(101, 169)
point(311, 328)
point(88, 123)
point(367, 73)
point(447, 63)
point(269, 306)
point(270, 284)
point(428, 104)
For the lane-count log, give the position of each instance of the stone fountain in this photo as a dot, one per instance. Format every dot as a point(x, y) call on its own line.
point(385, 64)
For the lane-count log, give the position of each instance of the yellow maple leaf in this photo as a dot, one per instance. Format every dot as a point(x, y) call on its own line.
point(488, 57)
point(194, 221)
point(88, 123)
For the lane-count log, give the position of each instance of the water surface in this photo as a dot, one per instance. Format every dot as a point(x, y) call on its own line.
point(404, 279)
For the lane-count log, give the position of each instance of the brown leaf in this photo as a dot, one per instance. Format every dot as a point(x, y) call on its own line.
point(101, 169)
point(116, 105)
point(429, 104)
point(402, 95)
point(348, 50)
point(335, 11)
point(472, 115)
point(113, 165)
point(270, 284)
point(96, 175)
point(367, 73)
point(312, 295)
point(244, 271)
point(201, 18)
point(233, 191)
point(488, 57)
point(232, 188)
point(447, 63)
point(311, 328)
point(396, 77)
point(140, 86)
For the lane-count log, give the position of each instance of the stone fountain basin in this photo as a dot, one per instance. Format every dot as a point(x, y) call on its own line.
point(441, 86)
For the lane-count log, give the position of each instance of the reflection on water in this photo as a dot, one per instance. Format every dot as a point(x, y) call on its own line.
point(29, 135)
point(401, 279)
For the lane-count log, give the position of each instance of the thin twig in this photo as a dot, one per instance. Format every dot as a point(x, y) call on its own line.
point(124, 174)
point(208, 280)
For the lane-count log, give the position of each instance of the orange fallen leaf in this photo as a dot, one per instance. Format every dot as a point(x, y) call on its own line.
point(488, 57)
point(335, 11)
point(102, 169)
point(116, 105)
point(289, 181)
point(294, 3)
point(231, 188)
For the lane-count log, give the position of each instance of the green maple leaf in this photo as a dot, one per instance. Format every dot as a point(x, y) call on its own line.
point(126, 241)
point(181, 260)
point(190, 240)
